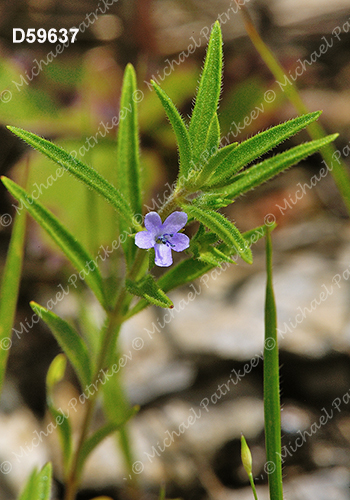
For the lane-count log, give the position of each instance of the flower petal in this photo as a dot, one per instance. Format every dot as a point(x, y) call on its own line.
point(163, 255)
point(175, 222)
point(144, 239)
point(153, 223)
point(181, 242)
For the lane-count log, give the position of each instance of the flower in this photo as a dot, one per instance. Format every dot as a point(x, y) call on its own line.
point(163, 237)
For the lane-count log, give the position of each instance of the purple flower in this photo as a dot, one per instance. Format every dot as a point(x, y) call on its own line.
point(163, 237)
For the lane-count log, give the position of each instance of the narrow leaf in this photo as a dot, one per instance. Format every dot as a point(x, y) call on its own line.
point(94, 440)
point(38, 486)
point(213, 136)
point(44, 483)
point(225, 230)
point(73, 250)
point(10, 288)
point(70, 341)
point(272, 408)
point(128, 162)
point(256, 146)
point(83, 172)
point(181, 133)
point(191, 269)
point(128, 144)
point(29, 489)
point(149, 290)
point(210, 167)
point(267, 169)
point(54, 375)
point(208, 94)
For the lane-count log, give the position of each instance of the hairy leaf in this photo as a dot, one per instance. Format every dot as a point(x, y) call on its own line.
point(149, 290)
point(83, 172)
point(128, 163)
point(70, 341)
point(74, 251)
point(257, 145)
point(225, 230)
point(181, 133)
point(208, 94)
point(267, 169)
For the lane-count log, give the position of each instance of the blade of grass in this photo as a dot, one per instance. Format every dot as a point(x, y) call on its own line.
point(339, 169)
point(272, 408)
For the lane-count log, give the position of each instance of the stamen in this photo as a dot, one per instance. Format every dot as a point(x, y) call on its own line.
point(163, 239)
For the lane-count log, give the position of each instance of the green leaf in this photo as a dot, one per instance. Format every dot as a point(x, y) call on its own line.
point(74, 251)
point(224, 229)
point(9, 289)
point(128, 144)
point(267, 169)
point(93, 441)
point(128, 162)
point(181, 133)
point(70, 341)
point(256, 146)
point(38, 486)
point(191, 269)
point(215, 257)
point(83, 172)
point(213, 136)
point(208, 94)
point(210, 167)
point(149, 290)
point(272, 408)
point(54, 375)
point(55, 372)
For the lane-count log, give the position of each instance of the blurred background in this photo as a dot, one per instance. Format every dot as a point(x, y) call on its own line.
point(71, 98)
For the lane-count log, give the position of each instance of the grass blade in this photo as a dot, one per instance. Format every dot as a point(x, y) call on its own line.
point(10, 288)
point(70, 341)
point(74, 251)
point(272, 408)
point(83, 172)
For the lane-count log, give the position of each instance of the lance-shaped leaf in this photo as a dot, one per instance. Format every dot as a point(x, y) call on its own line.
point(180, 130)
point(210, 167)
point(70, 341)
point(267, 169)
point(38, 485)
point(213, 137)
point(149, 290)
point(191, 269)
point(74, 251)
point(9, 289)
point(208, 94)
point(93, 441)
point(83, 172)
point(128, 162)
point(256, 146)
point(223, 228)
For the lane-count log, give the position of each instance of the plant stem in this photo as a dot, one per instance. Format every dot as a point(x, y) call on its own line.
point(115, 319)
point(338, 168)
